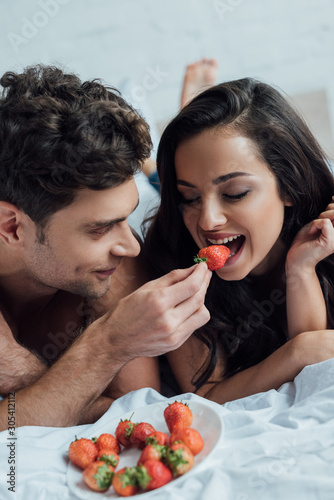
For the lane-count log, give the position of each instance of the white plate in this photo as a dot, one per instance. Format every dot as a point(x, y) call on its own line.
point(205, 419)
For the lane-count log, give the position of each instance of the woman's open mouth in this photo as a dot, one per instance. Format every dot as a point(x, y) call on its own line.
point(234, 243)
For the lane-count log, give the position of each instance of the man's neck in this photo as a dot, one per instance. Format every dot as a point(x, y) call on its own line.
point(18, 290)
point(19, 295)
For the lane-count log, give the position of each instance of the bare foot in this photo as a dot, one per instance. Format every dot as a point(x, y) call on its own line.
point(198, 77)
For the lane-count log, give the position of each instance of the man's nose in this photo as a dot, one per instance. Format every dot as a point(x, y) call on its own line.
point(127, 244)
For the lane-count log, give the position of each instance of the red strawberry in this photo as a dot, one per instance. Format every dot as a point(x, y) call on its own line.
point(190, 437)
point(125, 481)
point(107, 441)
point(179, 458)
point(98, 476)
point(123, 432)
point(82, 452)
point(109, 457)
point(158, 437)
point(215, 256)
point(152, 452)
point(139, 434)
point(178, 412)
point(153, 474)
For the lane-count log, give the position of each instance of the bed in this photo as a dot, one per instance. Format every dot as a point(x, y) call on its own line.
point(273, 445)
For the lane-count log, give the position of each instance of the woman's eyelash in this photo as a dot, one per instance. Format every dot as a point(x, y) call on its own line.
point(229, 197)
point(235, 196)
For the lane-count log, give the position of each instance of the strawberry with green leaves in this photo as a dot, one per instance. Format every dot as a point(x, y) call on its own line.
point(179, 459)
point(178, 413)
point(109, 441)
point(108, 456)
point(123, 432)
point(153, 474)
point(152, 451)
point(158, 437)
point(189, 436)
point(139, 434)
point(82, 452)
point(98, 476)
point(215, 256)
point(125, 481)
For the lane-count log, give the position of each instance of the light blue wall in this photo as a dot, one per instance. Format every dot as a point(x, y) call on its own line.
point(143, 46)
point(286, 42)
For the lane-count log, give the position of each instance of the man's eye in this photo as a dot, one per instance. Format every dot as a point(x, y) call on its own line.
point(101, 231)
point(234, 197)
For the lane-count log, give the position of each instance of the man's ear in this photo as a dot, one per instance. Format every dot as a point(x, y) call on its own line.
point(10, 219)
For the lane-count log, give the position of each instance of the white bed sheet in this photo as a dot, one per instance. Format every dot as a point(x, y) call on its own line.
point(276, 445)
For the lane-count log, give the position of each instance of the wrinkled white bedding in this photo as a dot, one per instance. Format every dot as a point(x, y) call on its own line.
point(276, 445)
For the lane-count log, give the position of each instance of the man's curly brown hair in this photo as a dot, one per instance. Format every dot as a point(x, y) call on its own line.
point(59, 135)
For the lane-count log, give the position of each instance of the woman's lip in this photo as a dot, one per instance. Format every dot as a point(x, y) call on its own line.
point(219, 236)
point(221, 239)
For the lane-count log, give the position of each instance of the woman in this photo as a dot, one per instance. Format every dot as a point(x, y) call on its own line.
point(239, 167)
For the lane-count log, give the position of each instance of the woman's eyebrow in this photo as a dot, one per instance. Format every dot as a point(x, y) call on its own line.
point(226, 177)
point(219, 180)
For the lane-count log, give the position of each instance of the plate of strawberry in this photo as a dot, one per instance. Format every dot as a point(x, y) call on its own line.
point(143, 451)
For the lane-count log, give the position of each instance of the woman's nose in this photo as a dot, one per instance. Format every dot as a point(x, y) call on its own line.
point(212, 215)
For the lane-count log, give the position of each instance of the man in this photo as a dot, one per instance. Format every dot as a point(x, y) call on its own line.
point(75, 329)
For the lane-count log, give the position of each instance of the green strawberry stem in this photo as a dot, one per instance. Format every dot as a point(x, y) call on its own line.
point(143, 477)
point(197, 259)
point(174, 459)
point(109, 459)
point(103, 477)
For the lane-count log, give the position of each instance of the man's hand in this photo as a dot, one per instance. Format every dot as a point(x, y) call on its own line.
point(18, 366)
point(156, 318)
point(159, 316)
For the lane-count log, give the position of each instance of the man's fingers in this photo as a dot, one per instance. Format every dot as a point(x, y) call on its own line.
point(188, 311)
point(179, 284)
point(192, 323)
point(187, 288)
point(171, 278)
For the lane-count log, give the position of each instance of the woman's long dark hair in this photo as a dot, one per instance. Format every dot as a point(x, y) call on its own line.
point(244, 323)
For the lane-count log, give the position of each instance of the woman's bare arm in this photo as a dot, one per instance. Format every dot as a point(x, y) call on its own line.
point(306, 307)
point(280, 367)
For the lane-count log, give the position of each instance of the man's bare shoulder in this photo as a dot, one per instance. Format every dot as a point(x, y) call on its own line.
point(128, 277)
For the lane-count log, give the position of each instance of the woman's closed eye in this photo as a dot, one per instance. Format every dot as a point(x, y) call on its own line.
point(235, 197)
point(229, 197)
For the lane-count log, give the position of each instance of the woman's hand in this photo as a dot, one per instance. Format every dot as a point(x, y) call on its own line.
point(305, 303)
point(313, 243)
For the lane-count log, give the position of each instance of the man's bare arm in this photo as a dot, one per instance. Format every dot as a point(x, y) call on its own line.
point(18, 366)
point(96, 410)
point(155, 319)
point(139, 372)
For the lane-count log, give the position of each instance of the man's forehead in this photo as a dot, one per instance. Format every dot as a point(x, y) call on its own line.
point(102, 221)
point(90, 205)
